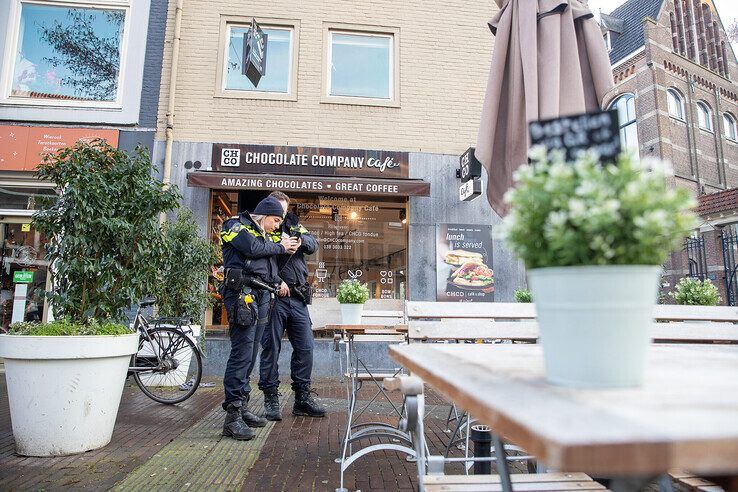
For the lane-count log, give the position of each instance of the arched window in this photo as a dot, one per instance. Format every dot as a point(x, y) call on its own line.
point(729, 127)
point(625, 105)
point(704, 116)
point(676, 104)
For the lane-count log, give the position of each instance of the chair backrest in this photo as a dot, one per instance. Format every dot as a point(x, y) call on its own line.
point(429, 321)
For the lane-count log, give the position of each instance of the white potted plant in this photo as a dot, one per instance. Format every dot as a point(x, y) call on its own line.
point(352, 295)
point(593, 237)
point(65, 378)
point(696, 292)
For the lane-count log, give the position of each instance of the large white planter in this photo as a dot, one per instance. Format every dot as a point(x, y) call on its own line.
point(351, 313)
point(184, 357)
point(595, 322)
point(64, 392)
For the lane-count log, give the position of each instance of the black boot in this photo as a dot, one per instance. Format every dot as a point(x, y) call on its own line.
point(271, 404)
point(251, 419)
point(234, 426)
point(305, 405)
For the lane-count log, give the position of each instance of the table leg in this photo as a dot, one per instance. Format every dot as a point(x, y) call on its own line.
point(502, 466)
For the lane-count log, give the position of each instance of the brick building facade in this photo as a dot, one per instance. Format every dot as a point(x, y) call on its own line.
point(675, 74)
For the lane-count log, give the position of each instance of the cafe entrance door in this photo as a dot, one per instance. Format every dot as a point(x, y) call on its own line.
point(23, 271)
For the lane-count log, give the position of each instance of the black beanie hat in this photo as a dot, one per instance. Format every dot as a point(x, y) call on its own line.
point(269, 206)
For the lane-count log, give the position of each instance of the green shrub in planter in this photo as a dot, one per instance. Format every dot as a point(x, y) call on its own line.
point(64, 327)
point(583, 213)
point(523, 295)
point(180, 290)
point(352, 292)
point(695, 292)
point(105, 243)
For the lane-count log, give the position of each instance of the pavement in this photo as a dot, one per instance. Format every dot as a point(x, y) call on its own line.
point(180, 447)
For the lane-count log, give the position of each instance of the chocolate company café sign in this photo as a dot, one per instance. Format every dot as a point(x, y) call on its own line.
point(310, 169)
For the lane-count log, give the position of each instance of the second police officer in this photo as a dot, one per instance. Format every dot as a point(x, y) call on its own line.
point(290, 315)
point(251, 278)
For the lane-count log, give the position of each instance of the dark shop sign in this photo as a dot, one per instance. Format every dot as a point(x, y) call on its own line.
point(331, 185)
point(469, 166)
point(254, 60)
point(579, 133)
point(316, 161)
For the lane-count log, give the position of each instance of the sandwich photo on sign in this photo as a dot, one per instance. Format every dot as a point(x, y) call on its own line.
point(464, 263)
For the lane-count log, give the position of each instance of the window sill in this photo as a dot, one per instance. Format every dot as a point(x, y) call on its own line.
point(707, 130)
point(360, 101)
point(262, 96)
point(731, 141)
point(677, 118)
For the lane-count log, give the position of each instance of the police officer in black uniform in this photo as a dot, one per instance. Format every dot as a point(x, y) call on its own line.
point(290, 314)
point(251, 278)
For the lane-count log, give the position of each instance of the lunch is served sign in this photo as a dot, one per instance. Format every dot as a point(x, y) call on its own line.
point(464, 263)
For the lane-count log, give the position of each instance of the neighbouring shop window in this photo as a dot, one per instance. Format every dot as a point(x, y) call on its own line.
point(12, 198)
point(360, 65)
point(279, 60)
point(363, 238)
point(704, 116)
point(625, 105)
point(68, 53)
point(729, 127)
point(675, 104)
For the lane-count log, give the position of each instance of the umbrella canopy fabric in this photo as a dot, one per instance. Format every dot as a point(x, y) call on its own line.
point(549, 60)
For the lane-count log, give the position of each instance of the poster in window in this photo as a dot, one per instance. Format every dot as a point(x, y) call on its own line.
point(464, 270)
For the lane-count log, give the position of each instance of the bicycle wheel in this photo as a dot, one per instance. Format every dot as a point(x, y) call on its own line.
point(178, 375)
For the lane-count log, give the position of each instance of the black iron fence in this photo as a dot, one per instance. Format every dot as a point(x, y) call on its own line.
point(696, 257)
point(729, 237)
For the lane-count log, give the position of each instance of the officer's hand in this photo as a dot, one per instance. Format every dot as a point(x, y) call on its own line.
point(284, 290)
point(289, 244)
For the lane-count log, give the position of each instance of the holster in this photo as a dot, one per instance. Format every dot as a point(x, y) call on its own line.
point(303, 293)
point(242, 312)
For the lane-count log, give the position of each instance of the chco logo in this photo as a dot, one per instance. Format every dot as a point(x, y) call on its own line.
point(230, 157)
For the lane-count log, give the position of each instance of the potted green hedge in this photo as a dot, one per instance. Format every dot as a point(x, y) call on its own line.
point(352, 295)
point(65, 378)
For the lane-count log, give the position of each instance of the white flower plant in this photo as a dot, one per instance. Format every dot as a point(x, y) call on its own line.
point(352, 292)
point(585, 213)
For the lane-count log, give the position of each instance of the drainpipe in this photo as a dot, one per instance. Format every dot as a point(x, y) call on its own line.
point(719, 139)
point(167, 178)
point(691, 133)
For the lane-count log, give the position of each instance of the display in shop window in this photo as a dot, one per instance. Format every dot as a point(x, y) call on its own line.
point(464, 263)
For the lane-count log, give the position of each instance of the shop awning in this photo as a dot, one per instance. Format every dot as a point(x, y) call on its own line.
point(306, 184)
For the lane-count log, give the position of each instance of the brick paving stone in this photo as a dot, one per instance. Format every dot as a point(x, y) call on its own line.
point(143, 427)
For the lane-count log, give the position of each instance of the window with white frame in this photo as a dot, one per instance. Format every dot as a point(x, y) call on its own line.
point(361, 65)
point(67, 53)
point(729, 127)
point(675, 104)
point(625, 105)
point(279, 50)
point(704, 116)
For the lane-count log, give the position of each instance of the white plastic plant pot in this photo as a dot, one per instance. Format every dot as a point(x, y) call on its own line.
point(351, 313)
point(64, 391)
point(184, 356)
point(595, 322)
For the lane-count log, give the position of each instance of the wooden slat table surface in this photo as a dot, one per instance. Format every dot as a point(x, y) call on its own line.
point(365, 329)
point(685, 415)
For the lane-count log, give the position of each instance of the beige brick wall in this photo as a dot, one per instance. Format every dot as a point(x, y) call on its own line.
point(445, 50)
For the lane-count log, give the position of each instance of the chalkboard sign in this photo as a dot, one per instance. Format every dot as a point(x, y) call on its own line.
point(253, 64)
point(578, 133)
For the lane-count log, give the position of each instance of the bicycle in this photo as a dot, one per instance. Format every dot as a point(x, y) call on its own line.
point(168, 359)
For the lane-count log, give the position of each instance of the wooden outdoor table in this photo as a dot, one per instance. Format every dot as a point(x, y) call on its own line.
point(685, 416)
point(364, 329)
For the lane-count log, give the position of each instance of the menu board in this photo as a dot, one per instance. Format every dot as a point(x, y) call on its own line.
point(464, 263)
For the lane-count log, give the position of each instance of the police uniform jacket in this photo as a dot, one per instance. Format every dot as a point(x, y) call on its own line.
point(245, 246)
point(292, 268)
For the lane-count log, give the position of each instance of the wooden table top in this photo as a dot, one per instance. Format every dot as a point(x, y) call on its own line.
point(365, 329)
point(684, 416)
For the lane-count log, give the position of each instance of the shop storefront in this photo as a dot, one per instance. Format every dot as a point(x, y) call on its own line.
point(355, 202)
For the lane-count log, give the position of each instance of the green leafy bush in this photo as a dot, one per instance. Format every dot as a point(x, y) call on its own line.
point(522, 295)
point(585, 213)
point(352, 292)
point(66, 327)
point(180, 290)
point(695, 292)
point(105, 243)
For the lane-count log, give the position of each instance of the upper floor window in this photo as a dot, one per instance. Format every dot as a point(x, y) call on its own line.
point(361, 67)
point(625, 105)
point(608, 40)
point(675, 103)
point(279, 60)
point(729, 127)
point(67, 55)
point(704, 116)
